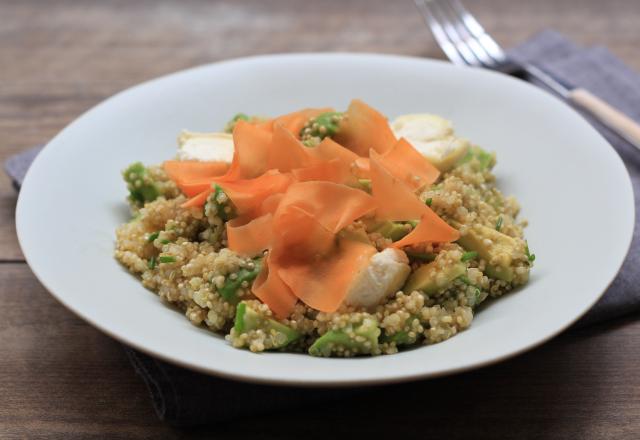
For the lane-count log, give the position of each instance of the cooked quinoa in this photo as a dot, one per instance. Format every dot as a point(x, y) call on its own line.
point(182, 254)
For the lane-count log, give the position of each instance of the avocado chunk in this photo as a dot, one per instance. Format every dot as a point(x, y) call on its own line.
point(389, 229)
point(229, 291)
point(427, 278)
point(248, 319)
point(357, 339)
point(494, 247)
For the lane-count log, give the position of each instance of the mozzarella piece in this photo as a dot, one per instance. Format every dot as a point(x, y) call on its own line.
point(205, 147)
point(385, 275)
point(432, 136)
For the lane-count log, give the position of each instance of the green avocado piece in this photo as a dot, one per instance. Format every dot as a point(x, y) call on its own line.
point(426, 280)
point(389, 229)
point(363, 341)
point(499, 273)
point(355, 235)
point(496, 250)
point(229, 291)
point(248, 319)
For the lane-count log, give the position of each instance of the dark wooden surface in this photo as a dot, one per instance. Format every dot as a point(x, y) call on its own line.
point(60, 378)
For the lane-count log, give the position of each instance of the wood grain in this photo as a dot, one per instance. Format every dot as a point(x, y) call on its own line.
point(60, 378)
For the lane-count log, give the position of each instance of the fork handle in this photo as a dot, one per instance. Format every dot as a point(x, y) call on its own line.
point(611, 117)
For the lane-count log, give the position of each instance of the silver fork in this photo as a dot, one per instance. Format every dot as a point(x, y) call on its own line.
point(465, 42)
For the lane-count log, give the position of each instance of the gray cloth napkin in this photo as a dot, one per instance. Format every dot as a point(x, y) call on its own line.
point(185, 398)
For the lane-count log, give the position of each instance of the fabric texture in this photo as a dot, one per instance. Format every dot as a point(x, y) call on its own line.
point(185, 398)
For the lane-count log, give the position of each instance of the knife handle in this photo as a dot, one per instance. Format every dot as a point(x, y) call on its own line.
point(611, 117)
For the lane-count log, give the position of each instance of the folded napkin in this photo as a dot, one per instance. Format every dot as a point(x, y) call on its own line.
point(185, 398)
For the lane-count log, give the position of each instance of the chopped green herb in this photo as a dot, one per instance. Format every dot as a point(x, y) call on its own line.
point(531, 257)
point(165, 241)
point(167, 259)
point(152, 237)
point(468, 256)
point(429, 201)
point(152, 262)
point(465, 280)
point(499, 224)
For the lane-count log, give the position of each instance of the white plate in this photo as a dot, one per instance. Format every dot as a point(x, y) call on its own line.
point(572, 186)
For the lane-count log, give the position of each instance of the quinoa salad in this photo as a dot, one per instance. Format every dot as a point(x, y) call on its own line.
point(325, 232)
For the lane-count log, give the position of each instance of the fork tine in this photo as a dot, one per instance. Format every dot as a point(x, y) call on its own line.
point(439, 33)
point(456, 20)
point(475, 29)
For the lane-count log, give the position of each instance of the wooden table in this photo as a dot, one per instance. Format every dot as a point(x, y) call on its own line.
point(61, 378)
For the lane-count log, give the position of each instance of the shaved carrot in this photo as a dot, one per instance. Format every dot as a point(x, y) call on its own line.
point(287, 152)
point(250, 238)
point(365, 128)
point(408, 165)
point(248, 195)
point(293, 122)
point(324, 284)
point(193, 187)
point(252, 147)
point(189, 170)
point(333, 206)
point(271, 290)
point(330, 171)
point(197, 200)
point(394, 199)
point(431, 229)
point(362, 168)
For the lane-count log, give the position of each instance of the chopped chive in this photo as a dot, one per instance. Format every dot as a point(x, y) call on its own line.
point(468, 256)
point(465, 280)
point(167, 259)
point(499, 223)
point(165, 241)
point(531, 257)
point(152, 262)
point(152, 237)
point(428, 201)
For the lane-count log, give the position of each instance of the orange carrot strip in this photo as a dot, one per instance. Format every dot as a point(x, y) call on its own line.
point(197, 200)
point(330, 171)
point(408, 165)
point(323, 284)
point(250, 238)
point(364, 129)
point(394, 199)
point(431, 229)
point(332, 205)
point(362, 168)
point(193, 187)
point(252, 148)
point(188, 170)
point(271, 290)
point(293, 122)
point(248, 195)
point(286, 152)
point(298, 236)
